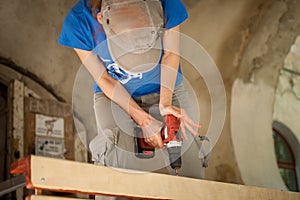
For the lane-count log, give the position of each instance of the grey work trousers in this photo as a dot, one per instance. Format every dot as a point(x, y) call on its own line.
point(115, 145)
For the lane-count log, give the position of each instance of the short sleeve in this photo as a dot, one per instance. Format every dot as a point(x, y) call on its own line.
point(175, 13)
point(76, 32)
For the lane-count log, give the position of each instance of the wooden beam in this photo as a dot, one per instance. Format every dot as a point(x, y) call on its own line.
point(69, 176)
point(39, 197)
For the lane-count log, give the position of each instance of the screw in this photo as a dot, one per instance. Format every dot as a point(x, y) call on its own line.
point(43, 180)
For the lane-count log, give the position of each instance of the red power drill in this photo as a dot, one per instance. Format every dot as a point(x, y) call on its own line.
point(172, 140)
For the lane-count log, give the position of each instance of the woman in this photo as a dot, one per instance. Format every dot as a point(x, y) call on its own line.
point(130, 47)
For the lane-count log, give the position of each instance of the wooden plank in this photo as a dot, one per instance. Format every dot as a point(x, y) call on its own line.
point(69, 176)
point(39, 197)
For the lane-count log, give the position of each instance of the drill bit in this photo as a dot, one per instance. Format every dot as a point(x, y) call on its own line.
point(176, 172)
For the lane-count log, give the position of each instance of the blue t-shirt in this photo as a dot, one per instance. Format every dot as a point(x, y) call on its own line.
point(82, 31)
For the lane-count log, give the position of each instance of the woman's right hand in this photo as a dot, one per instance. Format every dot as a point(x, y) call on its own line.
point(151, 131)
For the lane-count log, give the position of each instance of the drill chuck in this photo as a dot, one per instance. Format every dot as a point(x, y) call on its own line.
point(175, 157)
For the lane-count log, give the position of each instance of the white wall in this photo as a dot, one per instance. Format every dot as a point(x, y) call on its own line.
point(251, 114)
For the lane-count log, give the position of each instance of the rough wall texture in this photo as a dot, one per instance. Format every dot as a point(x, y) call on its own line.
point(29, 37)
point(287, 106)
point(257, 80)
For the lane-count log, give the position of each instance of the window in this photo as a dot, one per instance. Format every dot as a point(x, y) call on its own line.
point(285, 160)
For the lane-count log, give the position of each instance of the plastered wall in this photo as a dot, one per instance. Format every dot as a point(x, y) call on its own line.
point(29, 36)
point(287, 106)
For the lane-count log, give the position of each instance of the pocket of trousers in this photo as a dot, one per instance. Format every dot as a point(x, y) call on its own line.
point(103, 148)
point(98, 148)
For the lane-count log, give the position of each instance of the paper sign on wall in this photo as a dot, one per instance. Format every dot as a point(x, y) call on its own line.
point(49, 126)
point(50, 147)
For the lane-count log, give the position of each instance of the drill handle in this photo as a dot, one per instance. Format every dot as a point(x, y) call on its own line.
point(171, 129)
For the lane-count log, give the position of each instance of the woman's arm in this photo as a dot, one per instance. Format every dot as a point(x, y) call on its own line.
point(169, 71)
point(169, 65)
point(114, 90)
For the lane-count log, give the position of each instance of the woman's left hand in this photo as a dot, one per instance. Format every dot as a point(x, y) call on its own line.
point(185, 120)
